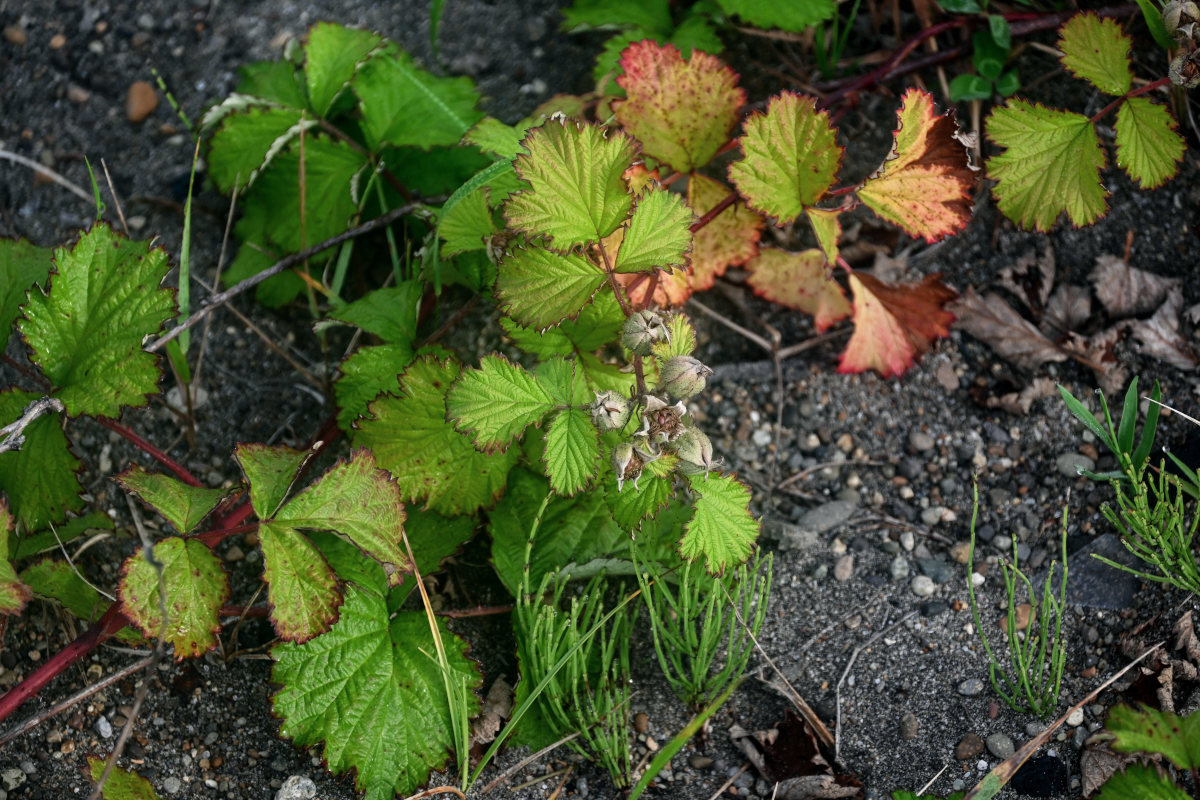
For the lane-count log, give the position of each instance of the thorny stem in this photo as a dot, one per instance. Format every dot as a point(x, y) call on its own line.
point(151, 451)
point(1149, 87)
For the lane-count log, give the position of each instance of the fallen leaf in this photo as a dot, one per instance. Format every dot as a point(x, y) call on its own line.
point(1021, 402)
point(1098, 763)
point(1126, 291)
point(1099, 352)
point(790, 756)
point(497, 707)
point(1031, 279)
point(894, 324)
point(1186, 639)
point(1159, 336)
point(1068, 308)
point(995, 323)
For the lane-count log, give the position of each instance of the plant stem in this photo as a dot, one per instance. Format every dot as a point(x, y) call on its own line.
point(713, 212)
point(1149, 87)
point(151, 451)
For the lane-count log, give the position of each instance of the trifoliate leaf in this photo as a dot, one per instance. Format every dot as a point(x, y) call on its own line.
point(270, 472)
point(681, 111)
point(828, 229)
point(925, 184)
point(365, 375)
point(658, 235)
point(576, 193)
point(404, 105)
point(729, 240)
point(22, 264)
point(183, 505)
point(87, 333)
point(122, 784)
point(247, 142)
point(302, 588)
point(358, 501)
point(794, 17)
point(722, 530)
point(572, 451)
point(1148, 146)
point(41, 479)
point(1096, 50)
point(1052, 164)
point(791, 157)
point(800, 281)
point(331, 57)
point(496, 402)
point(195, 588)
point(894, 324)
point(1153, 731)
point(372, 693)
point(632, 506)
point(1140, 782)
point(467, 225)
point(389, 313)
point(539, 288)
point(430, 460)
point(13, 594)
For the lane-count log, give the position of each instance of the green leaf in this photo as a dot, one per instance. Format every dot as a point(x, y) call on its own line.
point(358, 501)
point(183, 505)
point(434, 538)
point(1052, 164)
point(195, 588)
point(122, 784)
point(331, 57)
point(22, 264)
point(572, 451)
point(999, 29)
point(270, 471)
point(1096, 50)
point(247, 142)
point(564, 382)
point(793, 17)
point(721, 530)
point(439, 170)
point(791, 157)
point(87, 333)
point(430, 460)
point(389, 313)
point(494, 137)
point(1129, 413)
point(633, 506)
point(54, 579)
point(365, 375)
point(1148, 146)
point(302, 587)
point(650, 14)
point(658, 235)
point(539, 288)
point(681, 342)
point(989, 57)
point(372, 692)
point(576, 190)
point(1152, 15)
point(1081, 413)
point(597, 324)
point(275, 81)
point(970, 87)
point(697, 32)
point(403, 104)
point(1152, 731)
point(496, 402)
point(73, 528)
point(41, 479)
point(468, 224)
point(1140, 782)
point(13, 594)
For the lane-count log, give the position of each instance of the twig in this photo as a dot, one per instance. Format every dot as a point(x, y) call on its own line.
point(525, 762)
point(733, 326)
point(929, 783)
point(116, 200)
point(279, 266)
point(804, 473)
point(729, 782)
point(14, 433)
point(837, 746)
point(49, 173)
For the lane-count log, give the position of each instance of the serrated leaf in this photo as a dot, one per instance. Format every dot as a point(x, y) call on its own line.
point(468, 224)
point(365, 375)
point(1140, 782)
point(496, 402)
point(404, 105)
point(370, 691)
point(54, 579)
point(183, 505)
point(801, 281)
point(893, 325)
point(1052, 164)
point(44, 540)
point(1153, 731)
point(563, 382)
point(389, 313)
point(13, 594)
point(794, 17)
point(122, 784)
point(827, 227)
point(603, 375)
point(358, 501)
point(1096, 50)
point(791, 157)
point(572, 451)
point(22, 264)
point(431, 460)
point(303, 590)
point(650, 14)
point(87, 333)
point(576, 190)
point(492, 136)
point(632, 506)
point(41, 479)
point(659, 233)
point(925, 184)
point(539, 288)
point(722, 530)
point(331, 57)
point(597, 324)
point(247, 142)
point(681, 111)
point(682, 340)
point(1148, 146)
point(270, 471)
point(275, 81)
point(195, 588)
point(730, 239)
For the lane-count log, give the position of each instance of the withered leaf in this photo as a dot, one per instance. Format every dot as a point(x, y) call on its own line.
point(1098, 763)
point(1011, 336)
point(497, 707)
point(1030, 279)
point(1126, 291)
point(1186, 639)
point(1067, 309)
point(1159, 336)
point(1021, 402)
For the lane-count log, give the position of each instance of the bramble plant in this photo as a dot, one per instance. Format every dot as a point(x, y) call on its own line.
point(1154, 732)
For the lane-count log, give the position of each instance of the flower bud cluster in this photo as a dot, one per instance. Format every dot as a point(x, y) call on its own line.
point(1181, 19)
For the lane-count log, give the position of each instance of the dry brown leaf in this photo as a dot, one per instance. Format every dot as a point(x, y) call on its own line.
point(813, 787)
point(497, 707)
point(1098, 763)
point(1126, 291)
point(1186, 639)
point(1031, 279)
point(1165, 693)
point(1021, 402)
point(1159, 336)
point(1068, 308)
point(1099, 351)
point(1011, 336)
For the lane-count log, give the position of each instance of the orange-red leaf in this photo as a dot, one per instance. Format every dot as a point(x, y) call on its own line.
point(730, 239)
point(894, 324)
point(662, 289)
point(799, 281)
point(925, 184)
point(681, 111)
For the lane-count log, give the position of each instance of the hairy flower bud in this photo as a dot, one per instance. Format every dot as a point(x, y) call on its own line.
point(683, 377)
point(1180, 18)
point(1185, 69)
point(694, 451)
point(641, 330)
point(627, 464)
point(610, 410)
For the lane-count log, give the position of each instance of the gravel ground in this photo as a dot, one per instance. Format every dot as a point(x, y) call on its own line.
point(865, 488)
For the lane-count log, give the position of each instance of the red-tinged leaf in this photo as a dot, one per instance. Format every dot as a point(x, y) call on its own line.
point(800, 281)
point(791, 157)
point(664, 289)
point(681, 111)
point(828, 228)
point(13, 593)
point(730, 239)
point(925, 184)
point(894, 324)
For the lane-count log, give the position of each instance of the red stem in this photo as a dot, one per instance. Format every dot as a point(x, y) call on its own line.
point(712, 213)
point(151, 451)
point(245, 611)
point(1149, 87)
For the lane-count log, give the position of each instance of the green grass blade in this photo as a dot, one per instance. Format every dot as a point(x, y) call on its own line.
point(1149, 429)
point(1128, 418)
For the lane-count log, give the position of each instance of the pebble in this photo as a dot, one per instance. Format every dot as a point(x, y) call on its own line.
point(961, 552)
point(1000, 745)
point(104, 728)
point(844, 568)
point(937, 514)
point(762, 437)
point(933, 608)
point(909, 726)
point(641, 722)
point(234, 553)
point(1069, 464)
point(899, 568)
point(920, 441)
point(968, 747)
point(13, 778)
point(937, 570)
point(1075, 718)
point(297, 787)
point(58, 41)
point(77, 94)
point(923, 586)
point(140, 101)
point(15, 34)
point(1022, 613)
point(700, 762)
point(827, 516)
point(581, 786)
point(971, 687)
point(907, 540)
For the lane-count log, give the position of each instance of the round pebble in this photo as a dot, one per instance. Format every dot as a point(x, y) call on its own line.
point(297, 787)
point(844, 568)
point(1075, 718)
point(140, 101)
point(909, 726)
point(968, 747)
point(1070, 464)
point(923, 586)
point(999, 745)
point(899, 568)
point(971, 687)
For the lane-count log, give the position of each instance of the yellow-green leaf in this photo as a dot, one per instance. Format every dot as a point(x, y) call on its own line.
point(1096, 50)
point(1148, 147)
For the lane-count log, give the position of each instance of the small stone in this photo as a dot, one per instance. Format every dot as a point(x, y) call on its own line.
point(297, 787)
point(1075, 718)
point(970, 688)
point(234, 553)
point(909, 726)
point(762, 437)
point(845, 443)
point(899, 568)
point(15, 34)
point(961, 552)
point(700, 762)
point(58, 41)
point(641, 722)
point(651, 744)
point(844, 568)
point(1000, 745)
point(104, 728)
point(968, 747)
point(923, 586)
point(920, 441)
point(140, 101)
point(77, 94)
point(1070, 464)
point(581, 786)
point(908, 540)
point(827, 516)
point(933, 608)
point(145, 22)
point(1022, 613)
point(937, 514)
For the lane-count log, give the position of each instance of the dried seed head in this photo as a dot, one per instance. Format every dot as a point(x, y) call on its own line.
point(610, 410)
point(1180, 18)
point(627, 464)
point(661, 422)
point(683, 377)
point(1185, 69)
point(694, 451)
point(643, 329)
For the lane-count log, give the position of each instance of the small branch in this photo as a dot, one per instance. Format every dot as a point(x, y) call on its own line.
point(49, 173)
point(713, 212)
point(1149, 87)
point(721, 318)
point(478, 611)
point(151, 451)
point(12, 435)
